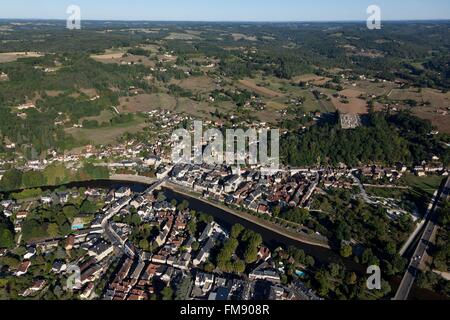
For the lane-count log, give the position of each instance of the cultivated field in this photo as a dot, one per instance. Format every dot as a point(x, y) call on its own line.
point(439, 119)
point(355, 105)
point(146, 102)
point(13, 56)
point(250, 84)
point(202, 84)
point(311, 78)
point(123, 58)
point(240, 36)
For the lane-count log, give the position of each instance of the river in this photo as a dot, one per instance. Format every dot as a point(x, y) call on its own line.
point(271, 238)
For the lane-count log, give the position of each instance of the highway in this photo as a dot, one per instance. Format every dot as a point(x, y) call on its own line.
point(422, 247)
point(420, 225)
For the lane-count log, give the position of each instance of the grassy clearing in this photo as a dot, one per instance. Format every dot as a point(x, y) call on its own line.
point(251, 85)
point(423, 185)
point(105, 116)
point(13, 56)
point(387, 192)
point(146, 102)
point(107, 135)
point(202, 84)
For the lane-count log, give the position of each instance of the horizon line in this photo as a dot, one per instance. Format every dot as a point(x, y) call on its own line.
point(228, 21)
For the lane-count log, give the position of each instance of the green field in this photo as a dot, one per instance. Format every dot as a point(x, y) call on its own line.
point(423, 185)
point(109, 134)
point(387, 192)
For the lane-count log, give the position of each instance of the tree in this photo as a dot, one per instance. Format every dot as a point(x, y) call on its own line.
point(351, 278)
point(70, 211)
point(346, 251)
point(239, 266)
point(192, 227)
point(183, 205)
point(251, 254)
point(144, 244)
point(369, 258)
point(136, 219)
point(195, 246)
point(310, 261)
point(161, 196)
point(167, 293)
point(209, 267)
point(236, 230)
point(12, 180)
point(88, 207)
point(6, 239)
point(276, 211)
point(183, 288)
point(31, 179)
point(53, 230)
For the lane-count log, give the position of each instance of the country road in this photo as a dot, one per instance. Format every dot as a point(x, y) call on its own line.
point(421, 251)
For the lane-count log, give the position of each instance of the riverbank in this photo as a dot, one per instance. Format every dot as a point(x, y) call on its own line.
point(260, 222)
point(227, 216)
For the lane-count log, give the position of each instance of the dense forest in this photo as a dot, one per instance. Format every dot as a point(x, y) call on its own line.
point(386, 139)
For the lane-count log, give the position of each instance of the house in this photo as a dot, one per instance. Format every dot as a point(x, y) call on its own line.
point(59, 266)
point(221, 294)
point(26, 106)
point(207, 232)
point(164, 206)
point(122, 192)
point(48, 245)
point(183, 261)
point(264, 254)
point(187, 245)
point(22, 215)
point(70, 242)
point(138, 202)
point(167, 276)
point(7, 213)
point(63, 197)
point(87, 290)
point(100, 250)
point(204, 253)
point(266, 273)
point(3, 76)
point(37, 286)
point(6, 203)
point(204, 281)
point(159, 259)
point(46, 199)
point(91, 274)
point(31, 251)
point(23, 268)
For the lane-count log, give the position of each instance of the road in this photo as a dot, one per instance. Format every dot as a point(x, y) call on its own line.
point(363, 192)
point(419, 226)
point(421, 250)
point(110, 233)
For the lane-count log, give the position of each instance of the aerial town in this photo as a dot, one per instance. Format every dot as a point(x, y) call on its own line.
point(224, 161)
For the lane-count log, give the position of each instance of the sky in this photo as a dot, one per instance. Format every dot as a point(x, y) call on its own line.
point(227, 10)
